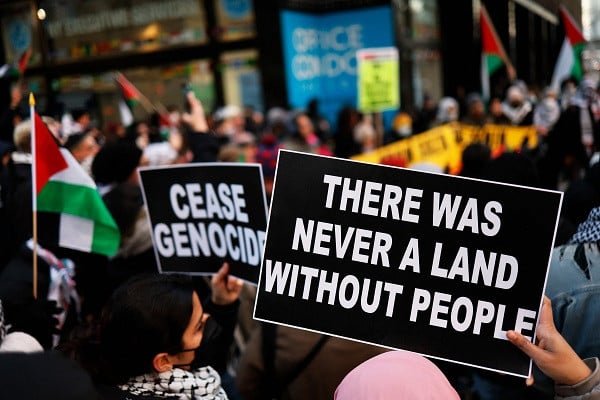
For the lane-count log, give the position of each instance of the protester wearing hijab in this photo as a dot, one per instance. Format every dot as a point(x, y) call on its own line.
point(395, 375)
point(447, 111)
point(516, 108)
point(546, 112)
point(402, 375)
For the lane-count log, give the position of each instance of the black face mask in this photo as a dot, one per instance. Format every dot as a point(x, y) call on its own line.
point(183, 366)
point(204, 352)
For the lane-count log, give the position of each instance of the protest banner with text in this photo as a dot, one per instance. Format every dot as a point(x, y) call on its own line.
point(204, 214)
point(435, 264)
point(443, 145)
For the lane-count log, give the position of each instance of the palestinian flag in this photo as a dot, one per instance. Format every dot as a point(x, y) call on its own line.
point(493, 56)
point(23, 62)
point(16, 69)
point(131, 95)
point(568, 64)
point(65, 194)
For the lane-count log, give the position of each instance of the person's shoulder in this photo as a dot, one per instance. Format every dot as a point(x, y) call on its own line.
point(47, 375)
point(109, 392)
point(574, 270)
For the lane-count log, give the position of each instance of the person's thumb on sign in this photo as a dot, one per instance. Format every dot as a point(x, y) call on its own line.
point(552, 354)
point(225, 288)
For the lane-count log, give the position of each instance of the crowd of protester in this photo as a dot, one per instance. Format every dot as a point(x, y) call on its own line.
point(122, 331)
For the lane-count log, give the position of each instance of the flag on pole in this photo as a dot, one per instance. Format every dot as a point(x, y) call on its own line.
point(131, 95)
point(17, 69)
point(62, 188)
point(125, 113)
point(493, 55)
point(568, 63)
point(23, 62)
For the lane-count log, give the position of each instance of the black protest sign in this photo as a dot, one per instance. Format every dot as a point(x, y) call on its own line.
point(204, 214)
point(435, 264)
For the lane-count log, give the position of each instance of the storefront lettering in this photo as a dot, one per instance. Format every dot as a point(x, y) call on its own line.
point(137, 15)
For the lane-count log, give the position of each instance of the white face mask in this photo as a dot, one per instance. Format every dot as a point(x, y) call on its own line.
point(404, 130)
point(86, 164)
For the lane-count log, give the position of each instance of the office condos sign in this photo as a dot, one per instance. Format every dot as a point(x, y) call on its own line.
point(320, 52)
point(137, 14)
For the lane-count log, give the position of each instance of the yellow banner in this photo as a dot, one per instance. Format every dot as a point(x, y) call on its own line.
point(444, 145)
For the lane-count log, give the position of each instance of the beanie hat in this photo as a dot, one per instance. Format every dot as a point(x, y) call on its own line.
point(115, 162)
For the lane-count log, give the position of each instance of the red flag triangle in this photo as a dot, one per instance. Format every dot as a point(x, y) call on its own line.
point(48, 160)
point(571, 29)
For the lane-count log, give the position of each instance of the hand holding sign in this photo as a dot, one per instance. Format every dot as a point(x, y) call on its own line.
point(225, 288)
point(552, 354)
point(196, 118)
point(405, 259)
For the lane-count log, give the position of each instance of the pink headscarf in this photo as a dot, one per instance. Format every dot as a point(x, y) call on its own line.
point(396, 375)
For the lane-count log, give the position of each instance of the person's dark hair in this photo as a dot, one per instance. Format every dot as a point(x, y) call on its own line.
point(474, 158)
point(78, 113)
point(74, 140)
point(144, 317)
point(515, 168)
point(124, 203)
point(115, 162)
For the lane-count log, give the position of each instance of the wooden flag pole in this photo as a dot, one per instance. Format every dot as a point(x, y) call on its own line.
point(144, 101)
point(34, 195)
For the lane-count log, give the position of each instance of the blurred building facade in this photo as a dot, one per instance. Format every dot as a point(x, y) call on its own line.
point(232, 51)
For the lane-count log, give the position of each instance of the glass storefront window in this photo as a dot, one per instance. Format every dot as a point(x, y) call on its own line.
point(79, 28)
point(235, 19)
point(241, 79)
point(427, 74)
point(424, 15)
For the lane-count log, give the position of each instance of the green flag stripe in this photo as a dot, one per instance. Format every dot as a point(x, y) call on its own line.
point(106, 239)
point(131, 103)
point(84, 202)
point(577, 69)
point(493, 62)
